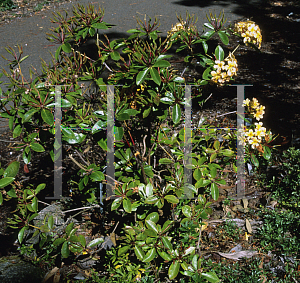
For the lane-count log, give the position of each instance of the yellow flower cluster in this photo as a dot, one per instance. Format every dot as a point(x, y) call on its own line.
point(250, 136)
point(254, 108)
point(178, 27)
point(253, 137)
point(224, 72)
point(250, 32)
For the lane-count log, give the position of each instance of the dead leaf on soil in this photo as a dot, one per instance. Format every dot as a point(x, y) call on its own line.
point(248, 226)
point(238, 255)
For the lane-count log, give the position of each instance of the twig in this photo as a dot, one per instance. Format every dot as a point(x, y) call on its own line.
point(78, 164)
point(226, 114)
point(80, 208)
point(81, 157)
point(208, 98)
point(43, 202)
point(183, 71)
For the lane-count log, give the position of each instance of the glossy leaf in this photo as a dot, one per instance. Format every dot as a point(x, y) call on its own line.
point(47, 116)
point(155, 75)
point(6, 181)
point(116, 203)
point(171, 199)
point(151, 225)
point(150, 255)
point(141, 76)
point(21, 234)
point(187, 211)
point(127, 205)
point(37, 147)
point(139, 252)
point(176, 115)
point(223, 36)
point(211, 277)
point(219, 52)
point(12, 169)
point(214, 191)
point(174, 270)
point(154, 217)
point(95, 242)
point(123, 250)
point(65, 252)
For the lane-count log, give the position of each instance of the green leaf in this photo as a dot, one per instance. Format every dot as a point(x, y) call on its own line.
point(34, 204)
point(171, 199)
point(186, 210)
point(146, 112)
point(176, 115)
point(174, 269)
point(57, 53)
point(267, 153)
point(59, 241)
point(253, 160)
point(151, 225)
point(37, 147)
point(116, 203)
point(47, 116)
point(66, 47)
point(219, 52)
point(208, 34)
point(127, 205)
point(141, 76)
point(166, 243)
point(65, 252)
point(206, 74)
point(40, 187)
point(100, 26)
point(167, 226)
point(214, 191)
point(98, 126)
point(155, 75)
point(12, 169)
point(21, 234)
point(97, 176)
point(17, 131)
point(119, 132)
point(115, 55)
point(139, 252)
point(165, 161)
point(28, 115)
point(150, 255)
point(189, 251)
point(208, 25)
point(154, 217)
point(133, 31)
point(6, 181)
point(162, 64)
point(211, 277)
point(1, 198)
point(50, 222)
point(122, 117)
point(69, 228)
point(165, 255)
point(223, 36)
point(123, 250)
point(95, 242)
point(12, 193)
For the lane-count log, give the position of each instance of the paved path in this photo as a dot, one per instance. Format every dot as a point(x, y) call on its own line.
point(31, 32)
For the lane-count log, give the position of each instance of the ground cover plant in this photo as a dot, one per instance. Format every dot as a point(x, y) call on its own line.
point(160, 223)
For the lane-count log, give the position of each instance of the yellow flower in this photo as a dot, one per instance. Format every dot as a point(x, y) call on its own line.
point(249, 134)
point(250, 32)
point(254, 142)
point(246, 102)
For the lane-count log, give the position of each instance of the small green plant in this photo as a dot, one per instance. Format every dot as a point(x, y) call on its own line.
point(280, 231)
point(230, 230)
point(287, 190)
point(7, 5)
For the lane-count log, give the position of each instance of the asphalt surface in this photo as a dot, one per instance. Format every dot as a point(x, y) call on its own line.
point(30, 32)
